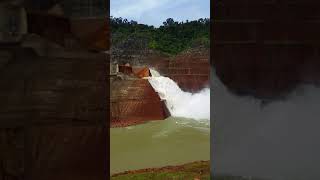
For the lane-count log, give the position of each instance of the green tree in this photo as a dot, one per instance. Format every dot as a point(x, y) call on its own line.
point(171, 38)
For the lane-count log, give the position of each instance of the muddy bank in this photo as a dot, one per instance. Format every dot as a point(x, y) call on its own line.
point(193, 170)
point(129, 122)
point(198, 170)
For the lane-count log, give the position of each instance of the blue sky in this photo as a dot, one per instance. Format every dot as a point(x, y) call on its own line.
point(154, 12)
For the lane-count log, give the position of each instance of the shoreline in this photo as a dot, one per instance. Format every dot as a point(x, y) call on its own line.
point(128, 123)
point(198, 168)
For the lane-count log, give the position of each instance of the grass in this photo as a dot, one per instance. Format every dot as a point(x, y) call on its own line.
point(190, 171)
point(199, 170)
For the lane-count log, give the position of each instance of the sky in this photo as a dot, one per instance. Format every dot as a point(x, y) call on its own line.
point(155, 12)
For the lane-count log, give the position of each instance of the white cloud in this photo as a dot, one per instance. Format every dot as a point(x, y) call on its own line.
point(136, 8)
point(156, 11)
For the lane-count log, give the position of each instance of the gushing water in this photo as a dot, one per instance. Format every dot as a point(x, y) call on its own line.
point(278, 141)
point(178, 102)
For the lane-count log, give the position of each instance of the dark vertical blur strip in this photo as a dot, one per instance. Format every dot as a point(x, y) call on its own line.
point(54, 90)
point(212, 121)
point(265, 89)
point(108, 88)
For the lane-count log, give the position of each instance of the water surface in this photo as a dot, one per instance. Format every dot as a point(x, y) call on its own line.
point(172, 141)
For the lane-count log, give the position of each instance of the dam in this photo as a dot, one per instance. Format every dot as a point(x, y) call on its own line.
point(134, 100)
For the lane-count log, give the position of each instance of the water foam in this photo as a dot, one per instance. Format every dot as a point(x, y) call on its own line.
point(178, 102)
point(280, 137)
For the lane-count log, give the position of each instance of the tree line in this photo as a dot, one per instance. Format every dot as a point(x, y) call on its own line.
point(172, 37)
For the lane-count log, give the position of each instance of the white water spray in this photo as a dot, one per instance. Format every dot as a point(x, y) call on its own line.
point(281, 137)
point(178, 102)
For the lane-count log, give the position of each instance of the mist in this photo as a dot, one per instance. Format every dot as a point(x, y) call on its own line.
point(276, 141)
point(181, 103)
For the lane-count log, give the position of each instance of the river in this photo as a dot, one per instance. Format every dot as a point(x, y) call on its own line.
point(172, 141)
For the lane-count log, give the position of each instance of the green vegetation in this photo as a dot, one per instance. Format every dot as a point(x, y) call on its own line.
point(170, 38)
point(190, 171)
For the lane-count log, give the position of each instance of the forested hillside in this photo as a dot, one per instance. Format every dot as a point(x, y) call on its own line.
point(170, 38)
